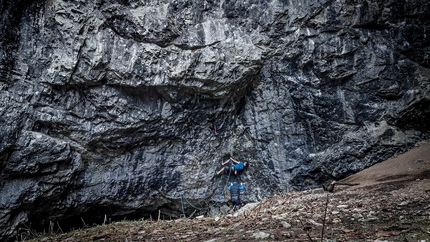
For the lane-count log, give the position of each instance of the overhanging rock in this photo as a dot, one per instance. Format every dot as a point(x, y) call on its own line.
point(114, 108)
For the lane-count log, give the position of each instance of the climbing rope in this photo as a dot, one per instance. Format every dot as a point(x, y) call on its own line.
point(182, 203)
point(228, 178)
point(192, 205)
point(182, 196)
point(198, 208)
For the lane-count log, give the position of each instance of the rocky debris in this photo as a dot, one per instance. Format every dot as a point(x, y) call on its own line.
point(381, 212)
point(123, 108)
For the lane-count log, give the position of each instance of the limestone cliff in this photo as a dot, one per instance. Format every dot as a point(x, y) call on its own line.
point(122, 107)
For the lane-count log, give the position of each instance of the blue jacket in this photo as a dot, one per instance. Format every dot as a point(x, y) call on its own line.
point(239, 166)
point(235, 185)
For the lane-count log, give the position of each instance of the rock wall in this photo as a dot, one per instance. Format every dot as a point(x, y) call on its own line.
point(123, 108)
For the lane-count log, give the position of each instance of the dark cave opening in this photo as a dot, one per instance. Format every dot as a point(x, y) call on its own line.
point(39, 221)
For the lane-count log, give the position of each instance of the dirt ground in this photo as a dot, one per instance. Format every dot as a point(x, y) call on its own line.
point(389, 201)
point(412, 164)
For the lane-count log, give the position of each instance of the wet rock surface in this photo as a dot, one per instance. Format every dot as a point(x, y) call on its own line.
point(125, 107)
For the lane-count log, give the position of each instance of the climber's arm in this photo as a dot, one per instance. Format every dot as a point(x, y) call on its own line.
point(235, 161)
point(225, 162)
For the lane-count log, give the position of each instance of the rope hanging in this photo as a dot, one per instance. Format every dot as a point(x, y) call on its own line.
point(192, 205)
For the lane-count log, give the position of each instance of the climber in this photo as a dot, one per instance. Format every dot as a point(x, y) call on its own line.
point(228, 165)
point(235, 189)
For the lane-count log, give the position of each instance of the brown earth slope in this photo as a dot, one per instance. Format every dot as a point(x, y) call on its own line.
point(412, 164)
point(390, 203)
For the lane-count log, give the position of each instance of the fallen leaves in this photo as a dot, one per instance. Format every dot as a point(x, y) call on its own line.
point(355, 213)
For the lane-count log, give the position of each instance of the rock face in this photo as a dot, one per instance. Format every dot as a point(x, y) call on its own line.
point(123, 108)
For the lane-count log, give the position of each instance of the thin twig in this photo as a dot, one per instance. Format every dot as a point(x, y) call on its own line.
point(306, 231)
point(58, 224)
point(51, 227)
point(85, 225)
point(192, 213)
point(27, 230)
point(325, 214)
